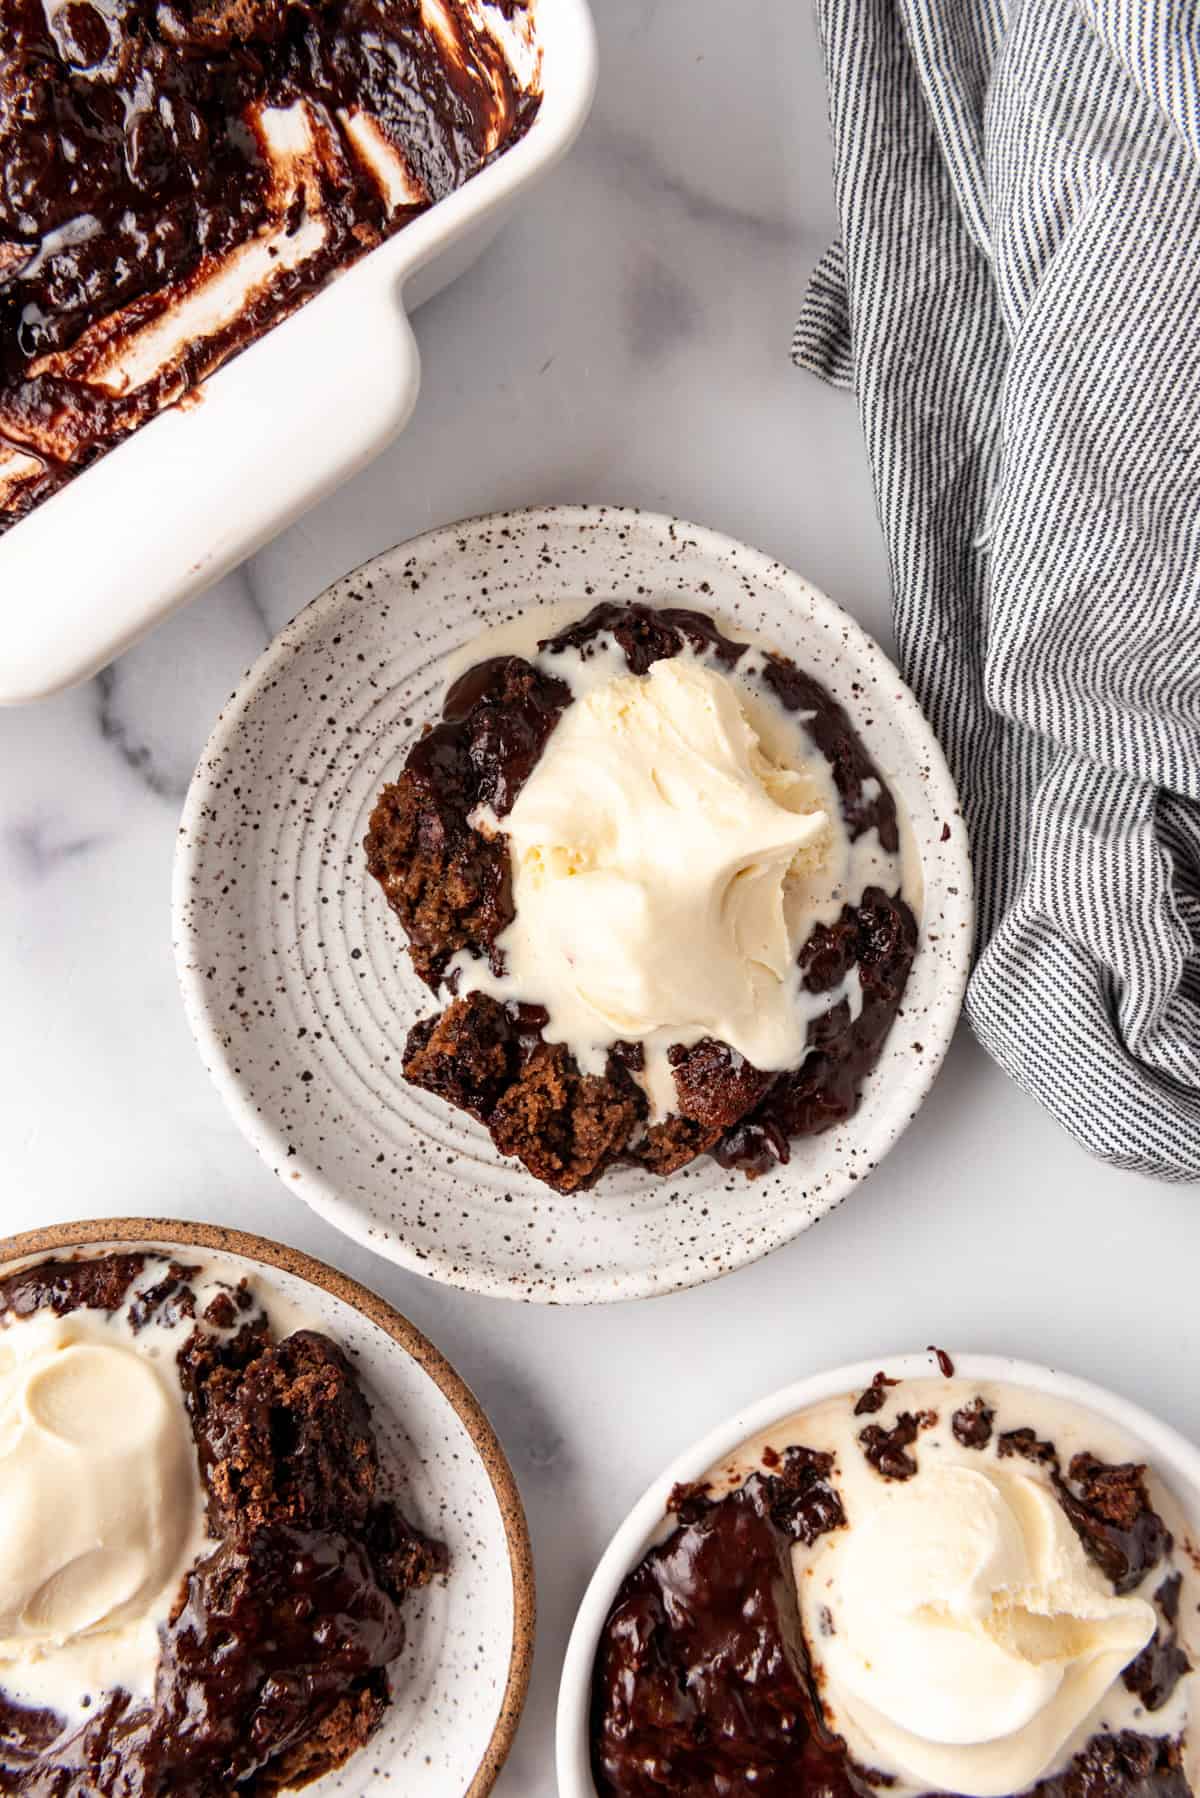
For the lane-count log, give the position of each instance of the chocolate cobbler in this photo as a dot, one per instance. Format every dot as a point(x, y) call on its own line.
point(203, 1578)
point(929, 1587)
point(568, 824)
point(179, 175)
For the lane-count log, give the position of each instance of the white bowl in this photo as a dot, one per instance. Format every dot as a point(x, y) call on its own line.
point(464, 1670)
point(1175, 1460)
point(294, 972)
point(198, 489)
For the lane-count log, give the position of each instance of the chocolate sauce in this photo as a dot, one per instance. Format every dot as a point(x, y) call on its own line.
point(449, 884)
point(70, 1285)
point(132, 161)
point(866, 802)
point(495, 722)
point(702, 1682)
point(1161, 1665)
point(880, 938)
point(646, 634)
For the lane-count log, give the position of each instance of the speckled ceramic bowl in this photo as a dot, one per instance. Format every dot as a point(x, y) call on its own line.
point(460, 1683)
point(294, 972)
point(1175, 1459)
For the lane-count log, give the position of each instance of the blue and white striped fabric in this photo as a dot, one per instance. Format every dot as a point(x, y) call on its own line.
point(1016, 302)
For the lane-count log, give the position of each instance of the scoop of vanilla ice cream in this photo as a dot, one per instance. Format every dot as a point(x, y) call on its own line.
point(651, 850)
point(969, 1636)
point(100, 1498)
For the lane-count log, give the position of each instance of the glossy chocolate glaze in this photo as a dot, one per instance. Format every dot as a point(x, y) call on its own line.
point(875, 1396)
point(1114, 1519)
point(1162, 1663)
point(495, 722)
point(880, 937)
point(132, 160)
point(646, 634)
point(274, 1660)
point(63, 1286)
point(449, 884)
point(831, 731)
point(703, 1682)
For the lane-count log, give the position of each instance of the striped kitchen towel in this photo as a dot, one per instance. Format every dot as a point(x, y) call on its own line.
point(1016, 303)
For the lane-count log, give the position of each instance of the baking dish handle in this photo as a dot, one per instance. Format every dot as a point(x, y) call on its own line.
point(205, 485)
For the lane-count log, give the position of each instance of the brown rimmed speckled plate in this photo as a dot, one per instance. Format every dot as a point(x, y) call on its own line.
point(460, 1684)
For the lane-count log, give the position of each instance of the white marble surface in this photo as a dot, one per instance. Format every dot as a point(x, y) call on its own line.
point(626, 340)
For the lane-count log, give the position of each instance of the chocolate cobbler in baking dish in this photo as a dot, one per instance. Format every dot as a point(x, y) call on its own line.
point(179, 175)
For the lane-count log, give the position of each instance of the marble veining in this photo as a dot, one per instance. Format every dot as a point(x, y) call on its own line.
point(708, 157)
point(119, 732)
point(633, 159)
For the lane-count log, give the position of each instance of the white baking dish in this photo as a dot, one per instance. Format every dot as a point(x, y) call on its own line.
point(188, 497)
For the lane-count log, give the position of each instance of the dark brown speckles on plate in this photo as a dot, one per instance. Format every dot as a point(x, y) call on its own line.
point(270, 895)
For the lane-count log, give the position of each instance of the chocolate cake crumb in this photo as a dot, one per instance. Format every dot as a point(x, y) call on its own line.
point(886, 1450)
point(714, 1085)
point(1026, 1444)
point(665, 1148)
point(221, 1311)
point(465, 1055)
point(1114, 1519)
point(448, 886)
point(875, 1396)
point(565, 1126)
point(447, 882)
point(1121, 1765)
point(972, 1425)
point(688, 1499)
point(803, 1501)
point(286, 1436)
